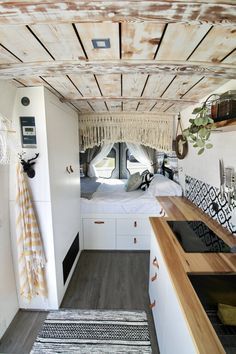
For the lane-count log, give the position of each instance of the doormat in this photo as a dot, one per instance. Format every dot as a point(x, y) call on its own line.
point(93, 331)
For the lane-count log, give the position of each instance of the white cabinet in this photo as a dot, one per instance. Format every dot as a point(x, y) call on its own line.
point(133, 234)
point(116, 233)
point(171, 327)
point(99, 234)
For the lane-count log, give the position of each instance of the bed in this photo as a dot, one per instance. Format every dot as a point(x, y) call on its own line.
point(116, 219)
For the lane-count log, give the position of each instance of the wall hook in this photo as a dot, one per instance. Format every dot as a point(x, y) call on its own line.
point(71, 169)
point(28, 165)
point(67, 169)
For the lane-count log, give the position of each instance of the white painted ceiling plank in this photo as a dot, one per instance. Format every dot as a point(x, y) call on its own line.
point(130, 106)
point(60, 40)
point(145, 106)
point(83, 106)
point(114, 106)
point(231, 59)
point(180, 85)
point(161, 107)
point(204, 87)
point(176, 108)
point(21, 42)
point(110, 85)
point(156, 85)
point(140, 40)
point(98, 106)
point(133, 84)
point(86, 84)
point(63, 85)
point(180, 40)
point(6, 57)
point(219, 42)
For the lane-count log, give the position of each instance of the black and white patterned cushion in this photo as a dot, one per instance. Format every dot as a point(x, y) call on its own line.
point(146, 180)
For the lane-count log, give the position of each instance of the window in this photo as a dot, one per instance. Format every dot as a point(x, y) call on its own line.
point(107, 165)
point(133, 165)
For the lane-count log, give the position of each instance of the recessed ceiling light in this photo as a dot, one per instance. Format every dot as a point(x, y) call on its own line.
point(101, 43)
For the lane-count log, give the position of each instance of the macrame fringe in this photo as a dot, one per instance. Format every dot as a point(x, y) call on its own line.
point(153, 131)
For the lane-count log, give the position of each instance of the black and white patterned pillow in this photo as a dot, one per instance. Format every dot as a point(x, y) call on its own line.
point(146, 180)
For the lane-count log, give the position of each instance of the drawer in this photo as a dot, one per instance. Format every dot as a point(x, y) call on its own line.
point(133, 226)
point(99, 233)
point(133, 242)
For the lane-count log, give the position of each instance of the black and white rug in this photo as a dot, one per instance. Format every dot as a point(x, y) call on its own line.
point(93, 331)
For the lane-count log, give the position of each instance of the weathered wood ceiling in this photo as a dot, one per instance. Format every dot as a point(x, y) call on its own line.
point(163, 55)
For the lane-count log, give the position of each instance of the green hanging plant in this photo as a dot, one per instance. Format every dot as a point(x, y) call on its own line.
point(199, 131)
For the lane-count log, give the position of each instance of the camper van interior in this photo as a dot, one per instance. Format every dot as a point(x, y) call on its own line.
point(118, 176)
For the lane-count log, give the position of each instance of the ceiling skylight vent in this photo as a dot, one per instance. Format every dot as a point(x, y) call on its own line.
point(101, 43)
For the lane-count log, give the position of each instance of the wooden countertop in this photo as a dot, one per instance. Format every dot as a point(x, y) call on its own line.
point(180, 263)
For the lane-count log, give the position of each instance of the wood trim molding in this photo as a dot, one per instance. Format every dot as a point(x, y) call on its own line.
point(68, 67)
point(125, 98)
point(133, 115)
point(48, 11)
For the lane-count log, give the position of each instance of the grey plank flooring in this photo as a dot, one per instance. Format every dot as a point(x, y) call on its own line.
point(101, 280)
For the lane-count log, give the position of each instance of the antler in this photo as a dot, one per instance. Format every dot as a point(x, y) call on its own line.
point(34, 158)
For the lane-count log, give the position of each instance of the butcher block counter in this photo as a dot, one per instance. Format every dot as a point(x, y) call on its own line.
point(178, 263)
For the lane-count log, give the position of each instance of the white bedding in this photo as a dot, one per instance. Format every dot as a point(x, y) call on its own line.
point(111, 197)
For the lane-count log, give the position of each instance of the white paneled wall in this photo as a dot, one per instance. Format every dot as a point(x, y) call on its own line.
point(8, 296)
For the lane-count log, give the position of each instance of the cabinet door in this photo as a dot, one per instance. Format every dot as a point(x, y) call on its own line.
point(171, 326)
point(133, 226)
point(157, 291)
point(176, 335)
point(99, 234)
point(133, 242)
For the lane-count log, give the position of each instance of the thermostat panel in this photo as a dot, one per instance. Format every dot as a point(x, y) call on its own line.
point(28, 132)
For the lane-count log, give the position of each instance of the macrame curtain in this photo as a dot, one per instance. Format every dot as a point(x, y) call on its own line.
point(150, 130)
point(140, 154)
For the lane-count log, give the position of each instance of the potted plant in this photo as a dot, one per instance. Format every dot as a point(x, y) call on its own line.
point(199, 131)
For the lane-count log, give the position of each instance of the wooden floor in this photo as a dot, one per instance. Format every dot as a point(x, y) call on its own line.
point(102, 280)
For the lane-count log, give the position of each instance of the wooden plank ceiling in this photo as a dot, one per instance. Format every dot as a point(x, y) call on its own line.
point(162, 55)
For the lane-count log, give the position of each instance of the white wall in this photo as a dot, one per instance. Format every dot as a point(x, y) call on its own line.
point(63, 150)
point(8, 296)
point(205, 167)
point(40, 189)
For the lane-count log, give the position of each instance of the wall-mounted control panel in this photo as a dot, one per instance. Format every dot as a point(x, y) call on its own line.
point(28, 132)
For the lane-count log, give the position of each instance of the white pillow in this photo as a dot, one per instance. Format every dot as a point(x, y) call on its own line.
point(163, 186)
point(133, 182)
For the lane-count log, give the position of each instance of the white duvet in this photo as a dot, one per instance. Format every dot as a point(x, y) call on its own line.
point(111, 197)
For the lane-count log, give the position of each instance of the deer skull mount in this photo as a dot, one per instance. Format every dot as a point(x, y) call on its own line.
point(28, 165)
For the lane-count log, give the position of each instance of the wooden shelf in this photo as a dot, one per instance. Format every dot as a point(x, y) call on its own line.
point(227, 125)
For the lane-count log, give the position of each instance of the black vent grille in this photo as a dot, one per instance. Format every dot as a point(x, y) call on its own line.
point(70, 257)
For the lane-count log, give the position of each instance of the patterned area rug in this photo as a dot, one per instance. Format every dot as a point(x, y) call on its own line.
point(93, 331)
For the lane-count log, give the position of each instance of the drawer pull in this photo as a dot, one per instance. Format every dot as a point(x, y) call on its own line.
point(155, 263)
point(99, 222)
point(153, 304)
point(135, 223)
point(154, 277)
point(135, 240)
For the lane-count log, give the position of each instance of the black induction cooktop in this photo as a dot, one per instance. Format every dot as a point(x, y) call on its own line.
point(197, 237)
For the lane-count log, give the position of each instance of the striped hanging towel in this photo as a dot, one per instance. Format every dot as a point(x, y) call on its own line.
point(31, 258)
